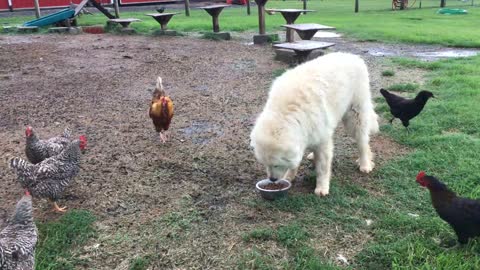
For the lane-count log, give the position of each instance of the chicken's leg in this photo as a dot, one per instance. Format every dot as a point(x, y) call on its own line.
point(163, 137)
point(58, 209)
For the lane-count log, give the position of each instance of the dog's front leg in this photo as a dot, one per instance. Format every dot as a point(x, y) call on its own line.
point(323, 166)
point(290, 174)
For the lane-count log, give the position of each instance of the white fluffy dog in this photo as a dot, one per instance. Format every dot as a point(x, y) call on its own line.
point(304, 107)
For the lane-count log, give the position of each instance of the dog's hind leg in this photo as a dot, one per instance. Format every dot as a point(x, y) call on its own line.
point(360, 124)
point(323, 166)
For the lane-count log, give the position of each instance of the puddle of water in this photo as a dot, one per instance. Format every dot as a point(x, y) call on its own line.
point(202, 132)
point(447, 54)
point(377, 52)
point(432, 55)
point(326, 34)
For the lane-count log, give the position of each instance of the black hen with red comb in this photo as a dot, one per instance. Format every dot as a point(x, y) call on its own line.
point(462, 214)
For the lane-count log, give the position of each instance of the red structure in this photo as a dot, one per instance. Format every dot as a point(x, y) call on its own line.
point(28, 4)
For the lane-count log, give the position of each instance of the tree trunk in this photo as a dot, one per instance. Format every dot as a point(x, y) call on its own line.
point(443, 3)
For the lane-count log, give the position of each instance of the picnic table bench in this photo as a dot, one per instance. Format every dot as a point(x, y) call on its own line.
point(303, 48)
point(214, 11)
point(307, 30)
point(290, 15)
point(162, 18)
point(124, 22)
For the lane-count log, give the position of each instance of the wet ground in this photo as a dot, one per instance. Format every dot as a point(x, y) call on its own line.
point(100, 85)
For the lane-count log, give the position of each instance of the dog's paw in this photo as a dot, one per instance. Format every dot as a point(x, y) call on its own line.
point(310, 156)
point(321, 191)
point(367, 167)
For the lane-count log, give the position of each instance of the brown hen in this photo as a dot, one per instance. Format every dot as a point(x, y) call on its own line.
point(161, 110)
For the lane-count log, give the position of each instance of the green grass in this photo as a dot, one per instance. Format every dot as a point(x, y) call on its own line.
point(388, 73)
point(58, 240)
point(403, 87)
point(445, 142)
point(139, 263)
point(413, 25)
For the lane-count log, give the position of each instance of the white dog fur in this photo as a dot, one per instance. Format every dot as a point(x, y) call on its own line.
point(304, 107)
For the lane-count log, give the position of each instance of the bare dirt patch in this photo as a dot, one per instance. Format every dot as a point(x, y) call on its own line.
point(184, 203)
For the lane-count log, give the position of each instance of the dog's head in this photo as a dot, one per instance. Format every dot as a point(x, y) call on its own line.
point(275, 147)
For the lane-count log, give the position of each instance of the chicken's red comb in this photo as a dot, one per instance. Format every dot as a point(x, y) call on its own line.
point(27, 193)
point(83, 141)
point(420, 175)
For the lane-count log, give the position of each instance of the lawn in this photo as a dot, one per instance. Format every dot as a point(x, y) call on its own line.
point(375, 21)
point(405, 233)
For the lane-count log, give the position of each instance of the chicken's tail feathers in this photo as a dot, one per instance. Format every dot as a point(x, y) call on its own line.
point(67, 133)
point(159, 91)
point(17, 163)
point(384, 92)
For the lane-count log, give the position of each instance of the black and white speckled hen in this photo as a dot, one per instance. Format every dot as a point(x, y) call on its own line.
point(38, 150)
point(18, 239)
point(49, 178)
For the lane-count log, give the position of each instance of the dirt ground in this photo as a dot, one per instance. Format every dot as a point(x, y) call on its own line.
point(203, 178)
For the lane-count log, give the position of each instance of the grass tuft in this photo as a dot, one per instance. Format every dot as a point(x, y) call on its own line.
point(403, 87)
point(388, 73)
point(58, 239)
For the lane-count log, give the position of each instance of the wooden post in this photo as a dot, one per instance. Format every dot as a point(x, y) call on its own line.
point(37, 8)
point(402, 4)
point(216, 26)
point(304, 6)
point(442, 3)
point(356, 6)
point(248, 7)
point(187, 8)
point(420, 6)
point(261, 19)
point(117, 9)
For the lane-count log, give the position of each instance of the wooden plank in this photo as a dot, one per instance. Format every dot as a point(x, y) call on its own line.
point(289, 10)
point(79, 7)
point(102, 9)
point(308, 26)
point(155, 15)
point(304, 45)
point(214, 6)
point(126, 20)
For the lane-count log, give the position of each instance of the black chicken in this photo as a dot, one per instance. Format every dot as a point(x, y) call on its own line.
point(403, 108)
point(462, 214)
point(160, 10)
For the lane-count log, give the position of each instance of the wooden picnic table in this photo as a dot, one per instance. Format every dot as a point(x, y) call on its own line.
point(214, 11)
point(124, 22)
point(307, 30)
point(290, 15)
point(162, 18)
point(303, 48)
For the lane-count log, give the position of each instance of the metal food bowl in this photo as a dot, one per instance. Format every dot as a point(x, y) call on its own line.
point(273, 194)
